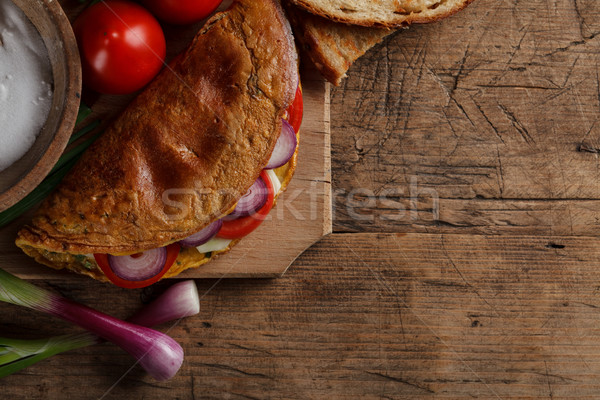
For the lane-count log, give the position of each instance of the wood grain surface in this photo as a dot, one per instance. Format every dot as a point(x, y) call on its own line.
point(362, 316)
point(494, 112)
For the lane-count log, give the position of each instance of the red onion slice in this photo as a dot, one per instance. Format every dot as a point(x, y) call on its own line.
point(198, 239)
point(139, 267)
point(251, 202)
point(285, 146)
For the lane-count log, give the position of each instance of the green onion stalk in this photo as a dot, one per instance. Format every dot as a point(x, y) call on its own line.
point(156, 352)
point(16, 354)
point(62, 167)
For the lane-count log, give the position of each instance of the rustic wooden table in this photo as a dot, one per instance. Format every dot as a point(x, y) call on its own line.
point(465, 259)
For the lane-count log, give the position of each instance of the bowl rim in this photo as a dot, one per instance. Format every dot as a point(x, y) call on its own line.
point(68, 116)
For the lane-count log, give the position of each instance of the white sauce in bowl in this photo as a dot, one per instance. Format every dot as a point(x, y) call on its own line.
point(25, 84)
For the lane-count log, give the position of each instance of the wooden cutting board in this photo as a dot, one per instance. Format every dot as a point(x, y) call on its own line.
point(301, 217)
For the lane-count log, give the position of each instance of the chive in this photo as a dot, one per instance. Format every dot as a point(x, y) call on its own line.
point(37, 195)
point(74, 153)
point(90, 3)
point(84, 112)
point(24, 353)
point(64, 164)
point(80, 133)
point(9, 357)
point(22, 363)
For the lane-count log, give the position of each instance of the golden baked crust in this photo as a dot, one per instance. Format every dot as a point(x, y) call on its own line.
point(185, 149)
point(187, 258)
point(383, 13)
point(332, 46)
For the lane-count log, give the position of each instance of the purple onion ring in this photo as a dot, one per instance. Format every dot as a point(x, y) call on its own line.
point(251, 202)
point(139, 267)
point(199, 238)
point(285, 146)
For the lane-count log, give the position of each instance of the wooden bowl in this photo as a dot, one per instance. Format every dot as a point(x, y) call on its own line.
point(22, 177)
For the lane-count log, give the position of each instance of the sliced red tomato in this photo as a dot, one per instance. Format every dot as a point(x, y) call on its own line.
point(102, 261)
point(240, 227)
point(296, 111)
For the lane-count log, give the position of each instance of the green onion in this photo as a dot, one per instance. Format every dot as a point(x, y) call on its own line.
point(75, 152)
point(36, 196)
point(156, 352)
point(179, 301)
point(16, 355)
point(64, 164)
point(79, 134)
point(90, 2)
point(84, 112)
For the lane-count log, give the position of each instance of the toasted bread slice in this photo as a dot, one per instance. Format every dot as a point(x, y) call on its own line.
point(333, 47)
point(383, 13)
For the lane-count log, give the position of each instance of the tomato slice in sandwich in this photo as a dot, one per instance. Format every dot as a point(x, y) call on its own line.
point(240, 227)
point(295, 112)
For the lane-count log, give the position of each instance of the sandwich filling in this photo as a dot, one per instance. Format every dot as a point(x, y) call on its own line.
point(189, 257)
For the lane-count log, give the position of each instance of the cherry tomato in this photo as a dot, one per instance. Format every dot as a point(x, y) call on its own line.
point(296, 110)
point(122, 46)
point(240, 227)
point(182, 12)
point(102, 261)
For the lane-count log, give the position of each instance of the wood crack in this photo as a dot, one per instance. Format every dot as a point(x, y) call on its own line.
point(399, 380)
point(236, 370)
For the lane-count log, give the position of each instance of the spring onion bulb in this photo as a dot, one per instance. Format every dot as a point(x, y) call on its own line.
point(156, 352)
point(179, 301)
